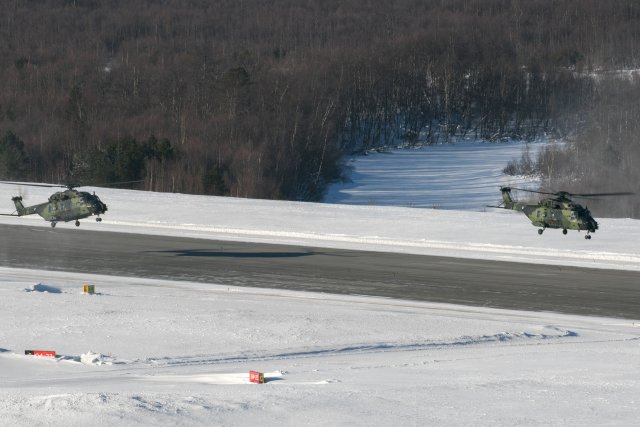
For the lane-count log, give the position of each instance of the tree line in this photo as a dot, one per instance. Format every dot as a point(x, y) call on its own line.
point(602, 155)
point(263, 99)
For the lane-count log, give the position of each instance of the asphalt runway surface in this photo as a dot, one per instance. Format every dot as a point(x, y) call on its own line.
point(518, 286)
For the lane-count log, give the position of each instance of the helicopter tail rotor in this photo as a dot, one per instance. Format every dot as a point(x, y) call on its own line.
point(23, 192)
point(20, 209)
point(507, 201)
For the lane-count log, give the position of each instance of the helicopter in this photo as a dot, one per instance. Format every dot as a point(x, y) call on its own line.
point(558, 211)
point(67, 205)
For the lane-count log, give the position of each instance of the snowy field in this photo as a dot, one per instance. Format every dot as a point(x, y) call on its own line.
point(147, 352)
point(463, 176)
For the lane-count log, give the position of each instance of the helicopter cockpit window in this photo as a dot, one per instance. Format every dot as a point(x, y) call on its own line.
point(573, 214)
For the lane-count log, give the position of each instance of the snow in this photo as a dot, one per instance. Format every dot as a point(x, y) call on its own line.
point(150, 352)
point(600, 75)
point(144, 352)
point(465, 176)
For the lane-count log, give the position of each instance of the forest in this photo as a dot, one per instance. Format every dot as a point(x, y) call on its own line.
point(264, 99)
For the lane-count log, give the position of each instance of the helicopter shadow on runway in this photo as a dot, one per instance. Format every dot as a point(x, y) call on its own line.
point(231, 254)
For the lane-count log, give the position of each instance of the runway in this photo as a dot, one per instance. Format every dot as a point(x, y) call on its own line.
point(518, 286)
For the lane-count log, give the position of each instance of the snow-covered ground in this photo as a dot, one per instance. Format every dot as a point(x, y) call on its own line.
point(464, 176)
point(149, 352)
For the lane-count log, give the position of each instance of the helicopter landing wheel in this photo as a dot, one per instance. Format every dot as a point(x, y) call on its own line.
point(98, 219)
point(564, 231)
point(53, 224)
point(540, 231)
point(588, 237)
point(77, 223)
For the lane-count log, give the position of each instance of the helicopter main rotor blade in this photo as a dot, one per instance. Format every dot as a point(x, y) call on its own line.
point(622, 193)
point(108, 184)
point(31, 184)
point(71, 186)
point(566, 193)
point(533, 191)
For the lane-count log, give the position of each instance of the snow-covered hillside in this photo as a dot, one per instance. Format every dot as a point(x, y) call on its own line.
point(465, 175)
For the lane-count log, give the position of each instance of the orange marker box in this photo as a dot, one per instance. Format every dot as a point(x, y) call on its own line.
point(41, 353)
point(256, 377)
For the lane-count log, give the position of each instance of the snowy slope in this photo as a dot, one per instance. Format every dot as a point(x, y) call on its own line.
point(462, 176)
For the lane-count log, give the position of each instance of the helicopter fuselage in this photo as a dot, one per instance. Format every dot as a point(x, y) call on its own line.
point(553, 212)
point(69, 205)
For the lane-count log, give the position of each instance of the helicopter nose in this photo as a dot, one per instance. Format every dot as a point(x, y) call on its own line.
point(100, 207)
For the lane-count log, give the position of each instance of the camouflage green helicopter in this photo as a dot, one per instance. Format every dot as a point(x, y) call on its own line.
point(558, 211)
point(67, 205)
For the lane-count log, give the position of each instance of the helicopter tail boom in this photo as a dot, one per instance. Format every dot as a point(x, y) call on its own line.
point(21, 209)
point(509, 203)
